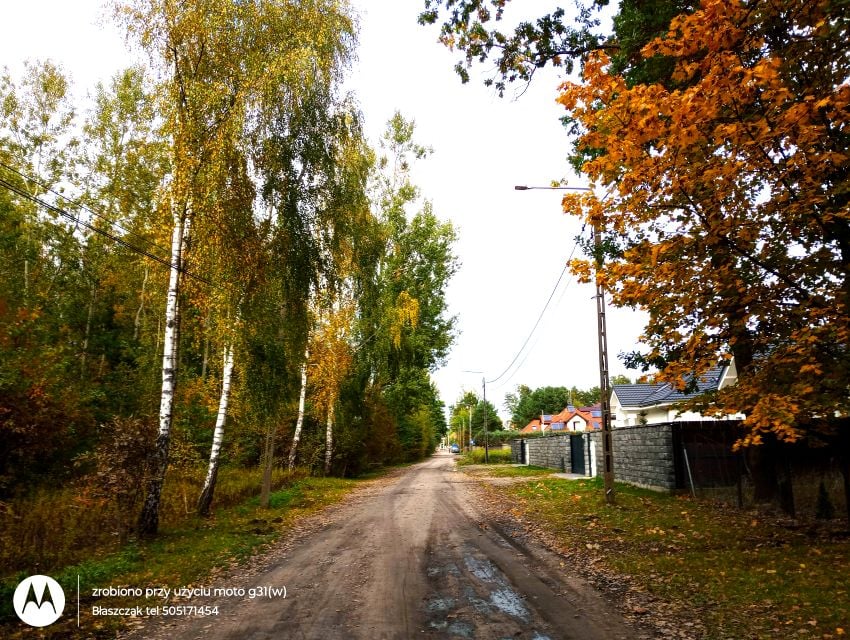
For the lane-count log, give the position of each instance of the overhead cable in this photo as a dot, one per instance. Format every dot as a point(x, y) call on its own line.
point(82, 206)
point(539, 317)
point(77, 220)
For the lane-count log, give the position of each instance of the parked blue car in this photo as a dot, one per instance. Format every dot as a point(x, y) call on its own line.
point(455, 448)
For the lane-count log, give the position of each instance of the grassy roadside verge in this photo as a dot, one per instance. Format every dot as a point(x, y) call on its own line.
point(186, 553)
point(476, 456)
point(716, 572)
point(506, 471)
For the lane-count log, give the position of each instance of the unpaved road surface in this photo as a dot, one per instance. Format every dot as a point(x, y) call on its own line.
point(411, 558)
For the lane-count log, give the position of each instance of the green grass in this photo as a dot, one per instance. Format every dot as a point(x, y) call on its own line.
point(523, 471)
point(744, 576)
point(93, 523)
point(476, 456)
point(182, 554)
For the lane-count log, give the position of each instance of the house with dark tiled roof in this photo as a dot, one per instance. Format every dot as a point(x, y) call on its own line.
point(654, 403)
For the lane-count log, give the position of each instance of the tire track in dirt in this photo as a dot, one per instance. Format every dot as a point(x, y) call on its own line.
point(408, 556)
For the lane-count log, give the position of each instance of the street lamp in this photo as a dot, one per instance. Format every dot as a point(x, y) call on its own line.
point(602, 331)
point(522, 187)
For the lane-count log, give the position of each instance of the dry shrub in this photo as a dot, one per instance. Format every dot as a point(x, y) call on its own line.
point(54, 528)
point(122, 465)
point(51, 527)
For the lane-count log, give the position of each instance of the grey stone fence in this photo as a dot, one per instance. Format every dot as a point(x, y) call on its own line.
point(644, 455)
point(570, 453)
point(651, 456)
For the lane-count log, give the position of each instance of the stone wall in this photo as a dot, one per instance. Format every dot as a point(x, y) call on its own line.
point(643, 455)
point(552, 452)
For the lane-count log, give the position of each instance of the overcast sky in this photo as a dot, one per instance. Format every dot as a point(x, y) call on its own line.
point(512, 245)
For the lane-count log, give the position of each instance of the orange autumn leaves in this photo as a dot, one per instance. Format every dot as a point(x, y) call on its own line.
point(727, 204)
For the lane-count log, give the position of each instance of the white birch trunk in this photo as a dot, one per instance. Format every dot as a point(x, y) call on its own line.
point(149, 519)
point(329, 439)
point(206, 497)
point(299, 423)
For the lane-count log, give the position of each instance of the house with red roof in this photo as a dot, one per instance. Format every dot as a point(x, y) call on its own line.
point(538, 425)
point(579, 419)
point(570, 419)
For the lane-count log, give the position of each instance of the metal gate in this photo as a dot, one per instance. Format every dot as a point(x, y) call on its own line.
point(577, 454)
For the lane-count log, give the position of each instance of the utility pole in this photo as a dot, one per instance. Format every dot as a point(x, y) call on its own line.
point(466, 442)
point(604, 382)
point(486, 457)
point(486, 426)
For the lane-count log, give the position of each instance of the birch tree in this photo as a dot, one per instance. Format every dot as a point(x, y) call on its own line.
point(206, 497)
point(299, 421)
point(230, 252)
point(220, 61)
point(332, 355)
point(405, 328)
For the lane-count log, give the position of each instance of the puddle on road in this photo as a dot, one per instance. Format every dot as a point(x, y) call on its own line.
point(475, 589)
point(441, 604)
point(477, 603)
point(461, 629)
point(456, 628)
point(449, 570)
point(483, 570)
point(509, 602)
point(504, 599)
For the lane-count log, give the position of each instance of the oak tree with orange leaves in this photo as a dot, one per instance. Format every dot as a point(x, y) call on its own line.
point(727, 214)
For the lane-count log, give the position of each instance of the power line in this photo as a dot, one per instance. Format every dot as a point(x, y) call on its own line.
point(533, 329)
point(82, 206)
point(539, 317)
point(522, 362)
point(62, 212)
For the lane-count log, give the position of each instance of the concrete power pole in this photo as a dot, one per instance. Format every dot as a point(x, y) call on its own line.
point(604, 381)
point(486, 426)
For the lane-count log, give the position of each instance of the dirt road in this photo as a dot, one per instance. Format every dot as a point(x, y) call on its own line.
point(410, 559)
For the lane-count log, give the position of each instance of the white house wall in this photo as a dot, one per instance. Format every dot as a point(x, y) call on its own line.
point(730, 376)
point(630, 416)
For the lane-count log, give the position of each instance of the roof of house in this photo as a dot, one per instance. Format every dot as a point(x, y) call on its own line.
point(593, 422)
point(650, 394)
point(592, 416)
point(534, 425)
point(559, 417)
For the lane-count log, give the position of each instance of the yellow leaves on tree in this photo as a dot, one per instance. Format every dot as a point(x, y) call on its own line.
point(331, 355)
point(727, 208)
point(404, 314)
